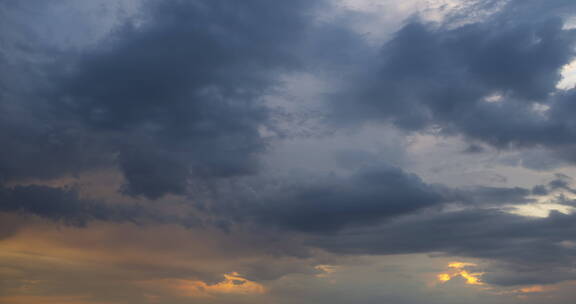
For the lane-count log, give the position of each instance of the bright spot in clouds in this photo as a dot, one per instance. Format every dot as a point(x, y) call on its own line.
point(326, 270)
point(544, 205)
point(541, 210)
point(568, 76)
point(458, 269)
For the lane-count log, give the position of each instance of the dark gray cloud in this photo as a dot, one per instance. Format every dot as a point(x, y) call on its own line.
point(183, 89)
point(540, 190)
point(482, 79)
point(335, 203)
point(485, 196)
point(175, 95)
point(35, 143)
point(325, 205)
point(64, 205)
point(365, 198)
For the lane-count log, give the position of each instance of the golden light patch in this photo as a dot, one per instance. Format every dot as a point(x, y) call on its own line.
point(444, 277)
point(458, 270)
point(471, 278)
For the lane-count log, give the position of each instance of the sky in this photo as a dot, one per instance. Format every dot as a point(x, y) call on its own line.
point(287, 152)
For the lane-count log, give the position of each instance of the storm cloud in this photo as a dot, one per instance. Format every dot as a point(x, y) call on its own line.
point(273, 142)
point(493, 80)
point(174, 95)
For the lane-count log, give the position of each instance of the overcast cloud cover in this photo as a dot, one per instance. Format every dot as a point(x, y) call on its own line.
point(303, 151)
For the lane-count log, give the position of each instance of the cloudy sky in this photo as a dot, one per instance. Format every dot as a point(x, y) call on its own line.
point(287, 152)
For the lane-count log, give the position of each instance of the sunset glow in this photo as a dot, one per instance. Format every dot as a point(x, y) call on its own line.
point(232, 284)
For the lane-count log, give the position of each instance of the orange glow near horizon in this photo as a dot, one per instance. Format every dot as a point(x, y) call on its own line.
point(27, 299)
point(233, 283)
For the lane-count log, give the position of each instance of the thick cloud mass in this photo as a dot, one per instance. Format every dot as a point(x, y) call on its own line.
point(363, 199)
point(35, 142)
point(176, 95)
point(368, 197)
point(176, 104)
point(482, 79)
point(183, 89)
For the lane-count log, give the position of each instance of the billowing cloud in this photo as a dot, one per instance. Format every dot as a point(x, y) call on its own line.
point(229, 151)
point(492, 80)
point(364, 198)
point(173, 95)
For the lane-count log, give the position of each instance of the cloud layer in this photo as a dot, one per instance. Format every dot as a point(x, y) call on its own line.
point(168, 131)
